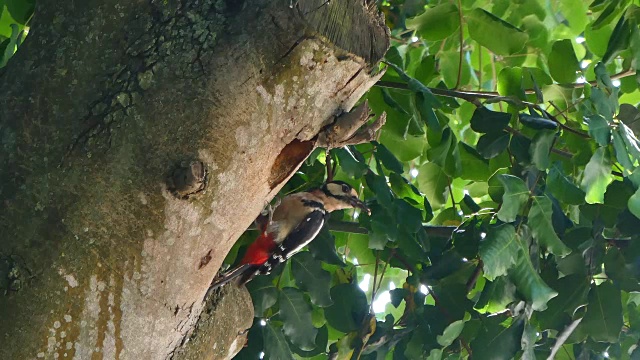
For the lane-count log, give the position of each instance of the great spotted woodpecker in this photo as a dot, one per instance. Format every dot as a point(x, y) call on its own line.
point(293, 224)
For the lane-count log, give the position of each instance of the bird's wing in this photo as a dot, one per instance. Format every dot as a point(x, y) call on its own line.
point(306, 231)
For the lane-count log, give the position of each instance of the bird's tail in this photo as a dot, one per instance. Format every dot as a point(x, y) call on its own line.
point(227, 277)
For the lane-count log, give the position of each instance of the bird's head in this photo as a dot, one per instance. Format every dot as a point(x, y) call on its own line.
point(341, 195)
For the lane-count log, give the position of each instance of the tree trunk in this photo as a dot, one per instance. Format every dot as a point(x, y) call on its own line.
point(138, 140)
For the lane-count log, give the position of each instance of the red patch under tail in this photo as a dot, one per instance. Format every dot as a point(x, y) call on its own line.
point(260, 250)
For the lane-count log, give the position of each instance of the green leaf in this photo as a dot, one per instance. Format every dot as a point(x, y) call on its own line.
point(603, 319)
point(616, 268)
point(416, 86)
point(20, 10)
point(537, 123)
point(516, 195)
point(496, 295)
point(425, 106)
point(321, 344)
point(492, 144)
point(634, 204)
point(397, 296)
point(452, 331)
point(349, 164)
point(495, 342)
point(311, 277)
point(520, 148)
point(541, 147)
point(630, 116)
point(255, 341)
point(275, 345)
point(599, 129)
point(440, 146)
point(597, 176)
point(619, 40)
point(633, 145)
point(408, 217)
point(405, 148)
point(433, 182)
point(436, 23)
point(263, 293)
point(487, 121)
point(495, 187)
point(609, 13)
point(562, 188)
point(622, 154)
point(529, 338)
point(495, 34)
point(563, 63)
point(404, 189)
point(499, 251)
point(296, 316)
point(542, 227)
point(323, 248)
point(510, 83)
point(435, 354)
point(387, 158)
point(529, 283)
point(572, 294)
point(349, 308)
point(473, 166)
point(378, 184)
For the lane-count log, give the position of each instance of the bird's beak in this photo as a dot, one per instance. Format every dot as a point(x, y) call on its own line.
point(357, 203)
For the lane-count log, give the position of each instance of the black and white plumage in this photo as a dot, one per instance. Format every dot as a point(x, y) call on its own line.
point(294, 223)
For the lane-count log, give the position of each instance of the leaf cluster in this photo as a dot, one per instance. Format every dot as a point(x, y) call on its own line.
point(15, 16)
point(504, 191)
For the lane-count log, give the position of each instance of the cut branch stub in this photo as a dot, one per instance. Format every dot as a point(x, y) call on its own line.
point(351, 128)
point(367, 36)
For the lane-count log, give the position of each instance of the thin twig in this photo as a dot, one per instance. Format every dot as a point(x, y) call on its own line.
point(375, 276)
point(461, 46)
point(479, 67)
point(453, 201)
point(328, 163)
point(469, 94)
point(471, 283)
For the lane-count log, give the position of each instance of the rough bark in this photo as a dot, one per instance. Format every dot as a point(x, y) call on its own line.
point(106, 114)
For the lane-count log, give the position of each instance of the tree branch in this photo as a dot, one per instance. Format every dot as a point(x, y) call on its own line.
point(355, 228)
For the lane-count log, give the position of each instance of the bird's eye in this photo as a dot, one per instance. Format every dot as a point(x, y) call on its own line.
point(345, 188)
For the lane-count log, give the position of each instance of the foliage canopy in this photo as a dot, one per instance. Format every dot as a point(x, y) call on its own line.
point(504, 196)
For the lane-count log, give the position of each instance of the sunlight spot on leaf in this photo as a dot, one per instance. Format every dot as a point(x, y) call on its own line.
point(364, 284)
point(381, 302)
